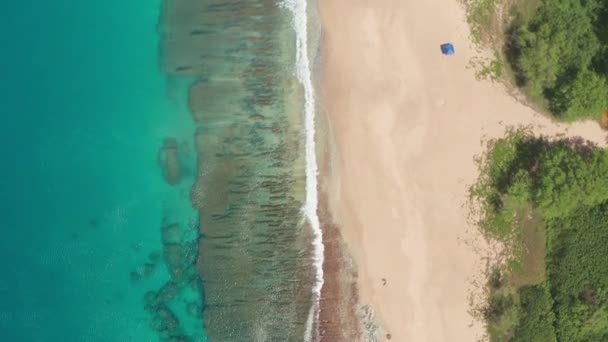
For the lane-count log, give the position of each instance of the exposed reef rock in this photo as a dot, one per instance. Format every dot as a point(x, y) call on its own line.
point(253, 256)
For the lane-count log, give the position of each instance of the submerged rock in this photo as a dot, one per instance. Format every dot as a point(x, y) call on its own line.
point(144, 271)
point(190, 253)
point(169, 291)
point(150, 300)
point(174, 258)
point(148, 269)
point(171, 233)
point(154, 257)
point(135, 276)
point(154, 299)
point(170, 322)
point(169, 161)
point(195, 282)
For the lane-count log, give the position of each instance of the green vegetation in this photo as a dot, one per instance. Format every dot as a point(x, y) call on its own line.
point(489, 69)
point(547, 201)
point(560, 55)
point(556, 50)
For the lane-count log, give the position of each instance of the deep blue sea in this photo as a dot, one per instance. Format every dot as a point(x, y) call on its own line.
point(85, 110)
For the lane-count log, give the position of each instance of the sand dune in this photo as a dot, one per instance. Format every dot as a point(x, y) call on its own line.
point(407, 122)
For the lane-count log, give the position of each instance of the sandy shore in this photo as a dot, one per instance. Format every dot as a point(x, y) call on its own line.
point(406, 123)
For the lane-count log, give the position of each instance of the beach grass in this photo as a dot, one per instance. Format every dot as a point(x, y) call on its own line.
point(492, 69)
point(482, 18)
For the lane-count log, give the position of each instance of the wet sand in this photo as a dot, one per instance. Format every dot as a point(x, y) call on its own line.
point(405, 124)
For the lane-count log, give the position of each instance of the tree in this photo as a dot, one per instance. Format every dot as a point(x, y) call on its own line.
point(585, 96)
point(560, 56)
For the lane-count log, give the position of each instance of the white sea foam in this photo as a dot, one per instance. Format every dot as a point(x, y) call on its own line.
point(303, 72)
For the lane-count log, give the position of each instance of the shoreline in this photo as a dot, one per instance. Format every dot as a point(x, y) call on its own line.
point(339, 316)
point(299, 10)
point(405, 125)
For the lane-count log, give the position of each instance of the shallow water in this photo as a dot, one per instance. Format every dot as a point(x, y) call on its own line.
point(254, 252)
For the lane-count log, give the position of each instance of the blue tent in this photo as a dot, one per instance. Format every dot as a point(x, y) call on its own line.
point(447, 49)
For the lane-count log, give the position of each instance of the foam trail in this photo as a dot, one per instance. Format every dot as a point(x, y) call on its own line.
point(300, 25)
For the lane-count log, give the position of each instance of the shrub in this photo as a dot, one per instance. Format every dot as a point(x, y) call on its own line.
point(560, 54)
point(564, 182)
point(584, 96)
point(536, 323)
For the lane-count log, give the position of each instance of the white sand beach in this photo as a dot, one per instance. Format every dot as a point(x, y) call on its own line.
point(406, 123)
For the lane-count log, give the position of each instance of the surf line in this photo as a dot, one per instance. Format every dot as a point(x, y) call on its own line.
point(299, 13)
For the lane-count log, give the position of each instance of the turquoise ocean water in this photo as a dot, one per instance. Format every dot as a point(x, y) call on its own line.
point(85, 111)
point(104, 104)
